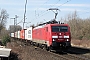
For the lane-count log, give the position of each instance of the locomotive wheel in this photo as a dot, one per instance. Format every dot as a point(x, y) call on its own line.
point(37, 44)
point(40, 45)
point(31, 43)
point(47, 48)
point(50, 48)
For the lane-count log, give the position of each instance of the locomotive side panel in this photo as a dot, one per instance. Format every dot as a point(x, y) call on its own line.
point(39, 35)
point(48, 35)
point(42, 35)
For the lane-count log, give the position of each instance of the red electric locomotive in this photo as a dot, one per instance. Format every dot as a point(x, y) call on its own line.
point(49, 35)
point(52, 35)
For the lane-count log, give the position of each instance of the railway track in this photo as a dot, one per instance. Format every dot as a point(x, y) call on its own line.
point(70, 55)
point(73, 55)
point(82, 52)
point(76, 57)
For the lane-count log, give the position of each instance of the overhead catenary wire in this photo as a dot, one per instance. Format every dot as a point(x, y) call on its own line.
point(56, 3)
point(50, 6)
point(64, 3)
point(61, 4)
point(40, 7)
point(20, 22)
point(43, 4)
point(46, 12)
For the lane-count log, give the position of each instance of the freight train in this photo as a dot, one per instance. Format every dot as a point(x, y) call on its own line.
point(50, 35)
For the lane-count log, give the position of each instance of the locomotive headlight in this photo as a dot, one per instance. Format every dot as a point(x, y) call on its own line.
point(53, 40)
point(67, 40)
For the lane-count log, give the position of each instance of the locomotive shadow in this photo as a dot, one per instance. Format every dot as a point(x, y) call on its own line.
point(78, 50)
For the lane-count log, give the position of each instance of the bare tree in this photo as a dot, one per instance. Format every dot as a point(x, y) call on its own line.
point(80, 28)
point(13, 28)
point(3, 18)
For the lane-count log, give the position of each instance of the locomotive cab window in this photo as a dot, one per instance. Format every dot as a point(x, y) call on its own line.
point(59, 28)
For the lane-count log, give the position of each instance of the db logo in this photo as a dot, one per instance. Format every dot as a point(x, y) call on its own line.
point(60, 36)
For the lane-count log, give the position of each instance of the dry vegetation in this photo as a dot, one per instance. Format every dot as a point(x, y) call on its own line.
point(80, 28)
point(81, 43)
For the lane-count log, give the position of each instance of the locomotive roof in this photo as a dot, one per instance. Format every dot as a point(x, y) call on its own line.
point(42, 26)
point(49, 23)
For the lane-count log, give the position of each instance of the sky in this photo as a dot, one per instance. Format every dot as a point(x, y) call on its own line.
point(38, 10)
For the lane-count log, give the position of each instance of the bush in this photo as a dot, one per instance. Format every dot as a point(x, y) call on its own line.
point(80, 37)
point(5, 40)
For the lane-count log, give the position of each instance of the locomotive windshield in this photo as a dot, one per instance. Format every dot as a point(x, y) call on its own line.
point(59, 28)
